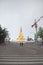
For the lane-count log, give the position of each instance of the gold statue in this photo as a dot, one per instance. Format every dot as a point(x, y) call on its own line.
point(21, 37)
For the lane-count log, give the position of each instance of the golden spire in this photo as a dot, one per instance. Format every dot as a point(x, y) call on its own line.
point(21, 36)
point(20, 29)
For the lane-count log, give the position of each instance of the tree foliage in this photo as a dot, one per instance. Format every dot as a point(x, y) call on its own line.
point(3, 34)
point(39, 34)
point(29, 39)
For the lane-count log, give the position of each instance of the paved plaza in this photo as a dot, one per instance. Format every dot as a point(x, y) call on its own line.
point(14, 54)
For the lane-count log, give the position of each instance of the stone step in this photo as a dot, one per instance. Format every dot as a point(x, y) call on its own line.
point(21, 63)
point(18, 60)
point(20, 57)
point(7, 55)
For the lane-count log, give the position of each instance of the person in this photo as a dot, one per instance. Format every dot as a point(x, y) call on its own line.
point(21, 43)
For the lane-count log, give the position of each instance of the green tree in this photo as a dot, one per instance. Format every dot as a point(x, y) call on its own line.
point(39, 34)
point(3, 34)
point(29, 39)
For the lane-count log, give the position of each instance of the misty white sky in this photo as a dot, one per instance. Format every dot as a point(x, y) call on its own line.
point(17, 13)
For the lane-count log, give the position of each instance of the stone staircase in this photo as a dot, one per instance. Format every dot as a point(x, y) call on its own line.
point(14, 54)
point(20, 60)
